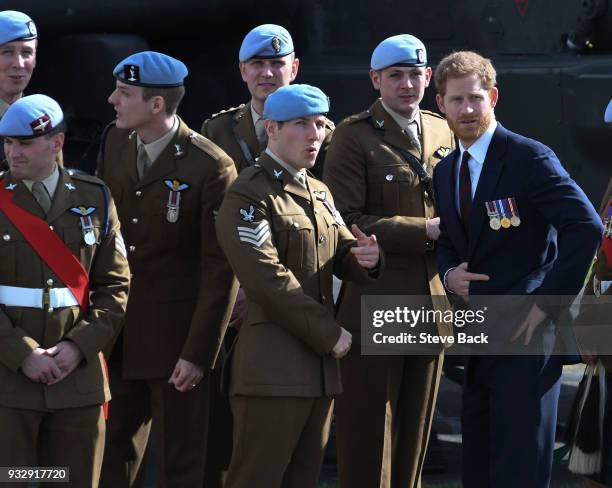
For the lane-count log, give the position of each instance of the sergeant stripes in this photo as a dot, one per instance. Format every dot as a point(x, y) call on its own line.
point(256, 236)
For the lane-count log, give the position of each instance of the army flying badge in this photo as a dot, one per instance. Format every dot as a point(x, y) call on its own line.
point(278, 173)
point(174, 199)
point(87, 226)
point(442, 152)
point(248, 215)
point(11, 186)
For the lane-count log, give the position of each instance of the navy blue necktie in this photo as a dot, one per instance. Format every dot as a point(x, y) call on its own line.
point(465, 190)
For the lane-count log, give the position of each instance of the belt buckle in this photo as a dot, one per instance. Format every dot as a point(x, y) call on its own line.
point(46, 299)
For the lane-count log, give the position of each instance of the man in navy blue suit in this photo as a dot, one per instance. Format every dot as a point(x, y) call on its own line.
point(512, 222)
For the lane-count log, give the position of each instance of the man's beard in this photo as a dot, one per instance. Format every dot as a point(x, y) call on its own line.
point(468, 136)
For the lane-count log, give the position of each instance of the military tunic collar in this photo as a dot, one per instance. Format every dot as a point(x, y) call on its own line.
point(281, 173)
point(50, 182)
point(404, 122)
point(155, 148)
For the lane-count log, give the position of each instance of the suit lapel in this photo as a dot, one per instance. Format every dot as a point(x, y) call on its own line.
point(487, 183)
point(244, 129)
point(447, 196)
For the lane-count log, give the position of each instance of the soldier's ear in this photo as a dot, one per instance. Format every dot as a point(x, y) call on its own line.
point(295, 66)
point(158, 104)
point(57, 142)
point(440, 102)
point(375, 78)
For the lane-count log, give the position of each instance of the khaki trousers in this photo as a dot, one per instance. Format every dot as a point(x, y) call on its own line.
point(72, 437)
point(279, 442)
point(383, 419)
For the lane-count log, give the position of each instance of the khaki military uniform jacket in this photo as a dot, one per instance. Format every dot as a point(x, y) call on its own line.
point(376, 188)
point(23, 329)
point(284, 243)
point(233, 130)
point(182, 286)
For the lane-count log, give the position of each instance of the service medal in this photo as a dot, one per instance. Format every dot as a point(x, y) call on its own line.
point(515, 220)
point(494, 221)
point(174, 199)
point(505, 221)
point(87, 227)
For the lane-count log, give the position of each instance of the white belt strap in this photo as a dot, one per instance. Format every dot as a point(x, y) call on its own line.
point(15, 296)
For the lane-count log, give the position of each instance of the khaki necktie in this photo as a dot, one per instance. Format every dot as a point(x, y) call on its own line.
point(412, 132)
point(42, 195)
point(262, 136)
point(143, 163)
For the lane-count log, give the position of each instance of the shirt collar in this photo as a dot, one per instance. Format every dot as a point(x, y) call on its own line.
point(255, 116)
point(478, 150)
point(50, 182)
point(402, 121)
point(290, 169)
point(3, 107)
point(155, 148)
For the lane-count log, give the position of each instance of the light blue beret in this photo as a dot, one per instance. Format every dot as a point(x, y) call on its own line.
point(402, 50)
point(266, 41)
point(16, 26)
point(608, 114)
point(295, 101)
point(151, 69)
point(31, 116)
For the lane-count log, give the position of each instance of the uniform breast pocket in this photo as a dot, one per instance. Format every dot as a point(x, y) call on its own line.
point(330, 240)
point(294, 237)
point(401, 192)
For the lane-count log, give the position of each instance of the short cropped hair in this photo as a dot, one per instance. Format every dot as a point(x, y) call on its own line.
point(172, 96)
point(465, 63)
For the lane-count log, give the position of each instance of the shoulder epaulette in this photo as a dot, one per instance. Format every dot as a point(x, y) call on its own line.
point(78, 174)
point(205, 145)
point(356, 117)
point(227, 111)
point(433, 114)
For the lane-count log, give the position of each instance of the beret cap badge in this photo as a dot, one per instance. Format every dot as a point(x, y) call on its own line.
point(41, 125)
point(131, 72)
point(276, 44)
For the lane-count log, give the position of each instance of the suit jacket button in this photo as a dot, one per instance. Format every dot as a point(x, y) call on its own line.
point(134, 220)
point(389, 177)
point(6, 237)
point(50, 282)
point(132, 248)
point(321, 239)
point(138, 193)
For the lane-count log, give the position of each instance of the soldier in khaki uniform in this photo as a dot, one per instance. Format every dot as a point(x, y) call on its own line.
point(168, 182)
point(285, 239)
point(18, 42)
point(267, 62)
point(65, 281)
point(378, 169)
